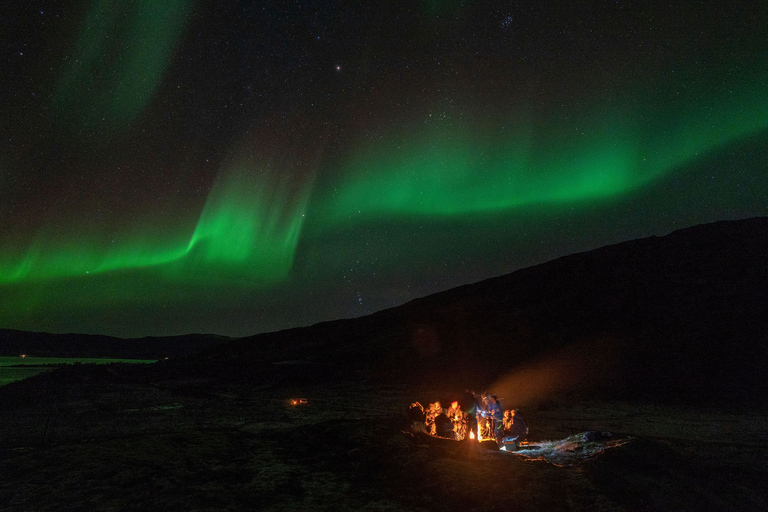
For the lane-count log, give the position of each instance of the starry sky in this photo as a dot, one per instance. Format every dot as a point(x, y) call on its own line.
point(240, 167)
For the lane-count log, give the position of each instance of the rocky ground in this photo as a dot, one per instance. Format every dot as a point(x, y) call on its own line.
point(70, 441)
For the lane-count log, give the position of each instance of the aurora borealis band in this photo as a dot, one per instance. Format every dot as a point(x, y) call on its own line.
point(174, 167)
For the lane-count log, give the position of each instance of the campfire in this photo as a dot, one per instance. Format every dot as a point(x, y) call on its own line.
point(478, 420)
point(473, 418)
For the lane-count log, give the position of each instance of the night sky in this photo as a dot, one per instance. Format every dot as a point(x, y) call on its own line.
point(172, 166)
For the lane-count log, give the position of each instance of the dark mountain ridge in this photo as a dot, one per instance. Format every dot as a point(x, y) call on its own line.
point(682, 315)
point(678, 317)
point(43, 344)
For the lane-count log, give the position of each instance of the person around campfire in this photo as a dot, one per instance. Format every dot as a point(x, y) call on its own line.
point(493, 415)
point(514, 426)
point(461, 422)
point(433, 411)
point(453, 410)
point(418, 417)
point(458, 420)
point(444, 427)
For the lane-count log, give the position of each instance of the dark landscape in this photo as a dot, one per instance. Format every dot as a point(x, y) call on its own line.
point(659, 342)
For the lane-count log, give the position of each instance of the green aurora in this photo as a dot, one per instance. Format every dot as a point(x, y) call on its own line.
point(605, 151)
point(119, 60)
point(281, 216)
point(251, 224)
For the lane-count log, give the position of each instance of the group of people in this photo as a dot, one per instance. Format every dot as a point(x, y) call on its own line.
point(478, 414)
point(507, 428)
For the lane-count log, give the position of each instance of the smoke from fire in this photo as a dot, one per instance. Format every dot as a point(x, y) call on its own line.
point(578, 367)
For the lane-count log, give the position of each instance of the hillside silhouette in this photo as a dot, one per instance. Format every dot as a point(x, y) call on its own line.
point(42, 344)
point(679, 317)
point(676, 318)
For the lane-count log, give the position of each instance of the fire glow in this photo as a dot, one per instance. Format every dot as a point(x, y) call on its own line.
point(477, 418)
point(453, 422)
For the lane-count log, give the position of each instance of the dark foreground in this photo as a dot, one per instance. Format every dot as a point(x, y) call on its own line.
point(100, 442)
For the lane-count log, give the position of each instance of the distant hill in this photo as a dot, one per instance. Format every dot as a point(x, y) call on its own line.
point(679, 317)
point(13, 343)
point(682, 317)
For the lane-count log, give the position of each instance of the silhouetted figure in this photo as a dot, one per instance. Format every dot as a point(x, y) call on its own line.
point(453, 411)
point(433, 411)
point(458, 419)
point(418, 417)
point(416, 413)
point(443, 426)
point(514, 427)
point(491, 413)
